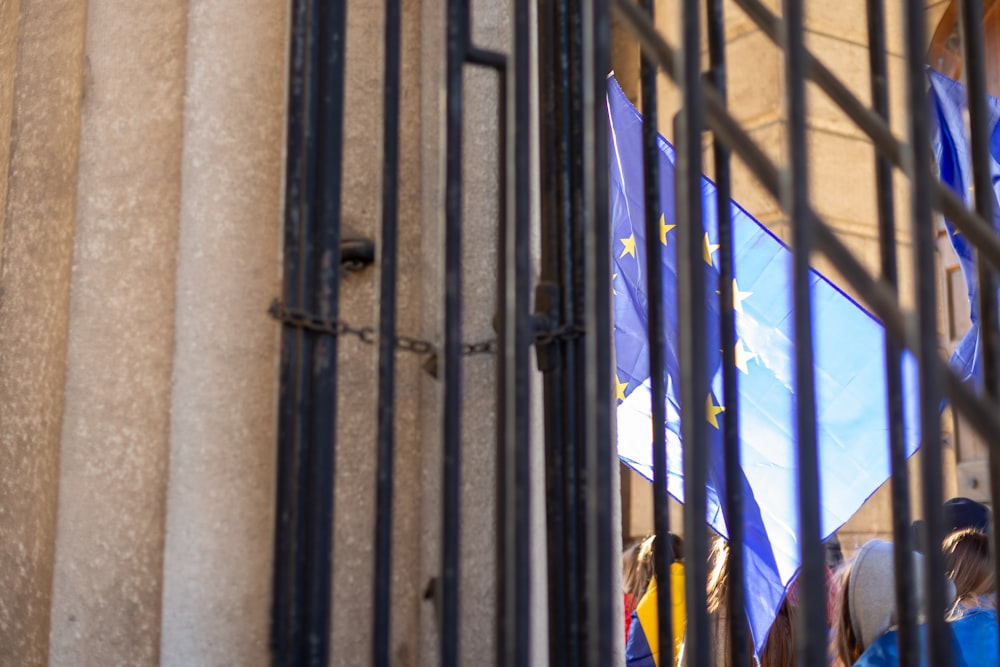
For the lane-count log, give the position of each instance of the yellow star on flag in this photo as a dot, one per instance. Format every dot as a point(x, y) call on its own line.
point(629, 244)
point(712, 410)
point(709, 249)
point(739, 297)
point(620, 388)
point(743, 357)
point(664, 228)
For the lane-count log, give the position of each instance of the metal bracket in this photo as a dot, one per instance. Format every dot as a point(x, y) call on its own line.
point(546, 315)
point(356, 251)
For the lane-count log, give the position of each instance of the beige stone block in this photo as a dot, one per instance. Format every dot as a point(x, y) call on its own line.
point(106, 600)
point(44, 96)
point(220, 501)
point(841, 175)
point(747, 189)
point(755, 79)
point(353, 556)
point(9, 27)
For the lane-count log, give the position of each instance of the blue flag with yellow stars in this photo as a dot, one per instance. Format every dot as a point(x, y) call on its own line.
point(954, 160)
point(849, 357)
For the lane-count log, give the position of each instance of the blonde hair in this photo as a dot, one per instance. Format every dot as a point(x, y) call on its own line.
point(845, 649)
point(968, 565)
point(779, 649)
point(637, 566)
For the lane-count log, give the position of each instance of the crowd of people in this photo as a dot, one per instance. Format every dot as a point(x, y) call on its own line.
point(861, 601)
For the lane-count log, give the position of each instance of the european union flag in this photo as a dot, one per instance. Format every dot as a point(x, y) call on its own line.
point(852, 418)
point(954, 159)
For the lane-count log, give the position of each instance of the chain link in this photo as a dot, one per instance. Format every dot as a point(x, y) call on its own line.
point(300, 319)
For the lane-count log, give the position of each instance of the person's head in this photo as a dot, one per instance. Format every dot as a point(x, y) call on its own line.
point(866, 604)
point(779, 649)
point(956, 514)
point(637, 567)
point(718, 576)
point(968, 564)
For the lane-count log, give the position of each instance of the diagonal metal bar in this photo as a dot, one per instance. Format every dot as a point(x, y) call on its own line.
point(876, 293)
point(976, 228)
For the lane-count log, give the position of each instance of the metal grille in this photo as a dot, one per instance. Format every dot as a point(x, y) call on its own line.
point(571, 322)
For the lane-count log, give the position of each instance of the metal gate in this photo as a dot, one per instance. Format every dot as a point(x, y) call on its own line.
point(570, 324)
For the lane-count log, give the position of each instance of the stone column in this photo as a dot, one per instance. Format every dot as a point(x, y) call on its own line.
point(41, 65)
point(106, 600)
point(220, 498)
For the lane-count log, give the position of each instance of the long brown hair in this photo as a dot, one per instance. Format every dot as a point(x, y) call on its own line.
point(779, 650)
point(845, 649)
point(637, 565)
point(968, 564)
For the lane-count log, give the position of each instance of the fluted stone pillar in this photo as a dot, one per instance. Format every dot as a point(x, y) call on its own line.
point(41, 66)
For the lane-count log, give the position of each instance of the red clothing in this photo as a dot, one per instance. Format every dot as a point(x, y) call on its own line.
point(630, 603)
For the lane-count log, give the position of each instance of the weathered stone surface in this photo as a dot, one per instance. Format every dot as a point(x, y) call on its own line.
point(220, 498)
point(106, 600)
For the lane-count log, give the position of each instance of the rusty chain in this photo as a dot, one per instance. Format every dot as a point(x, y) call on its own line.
point(300, 319)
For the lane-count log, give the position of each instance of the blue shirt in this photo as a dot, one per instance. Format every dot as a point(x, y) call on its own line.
point(974, 643)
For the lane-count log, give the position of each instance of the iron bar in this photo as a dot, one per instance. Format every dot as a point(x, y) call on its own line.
point(974, 226)
point(989, 323)
point(978, 230)
point(457, 45)
point(657, 357)
point(938, 639)
point(285, 605)
point(906, 608)
point(597, 344)
point(486, 58)
point(506, 421)
point(553, 129)
point(388, 260)
point(573, 271)
point(738, 640)
point(329, 139)
point(694, 384)
point(515, 336)
point(879, 296)
point(811, 619)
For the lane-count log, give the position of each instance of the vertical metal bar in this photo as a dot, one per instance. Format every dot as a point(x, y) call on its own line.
point(909, 651)
point(989, 326)
point(939, 653)
point(692, 330)
point(382, 621)
point(516, 333)
point(812, 627)
point(597, 344)
point(457, 46)
point(329, 136)
point(657, 355)
point(551, 46)
point(504, 474)
point(303, 490)
point(738, 640)
point(573, 281)
point(285, 603)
